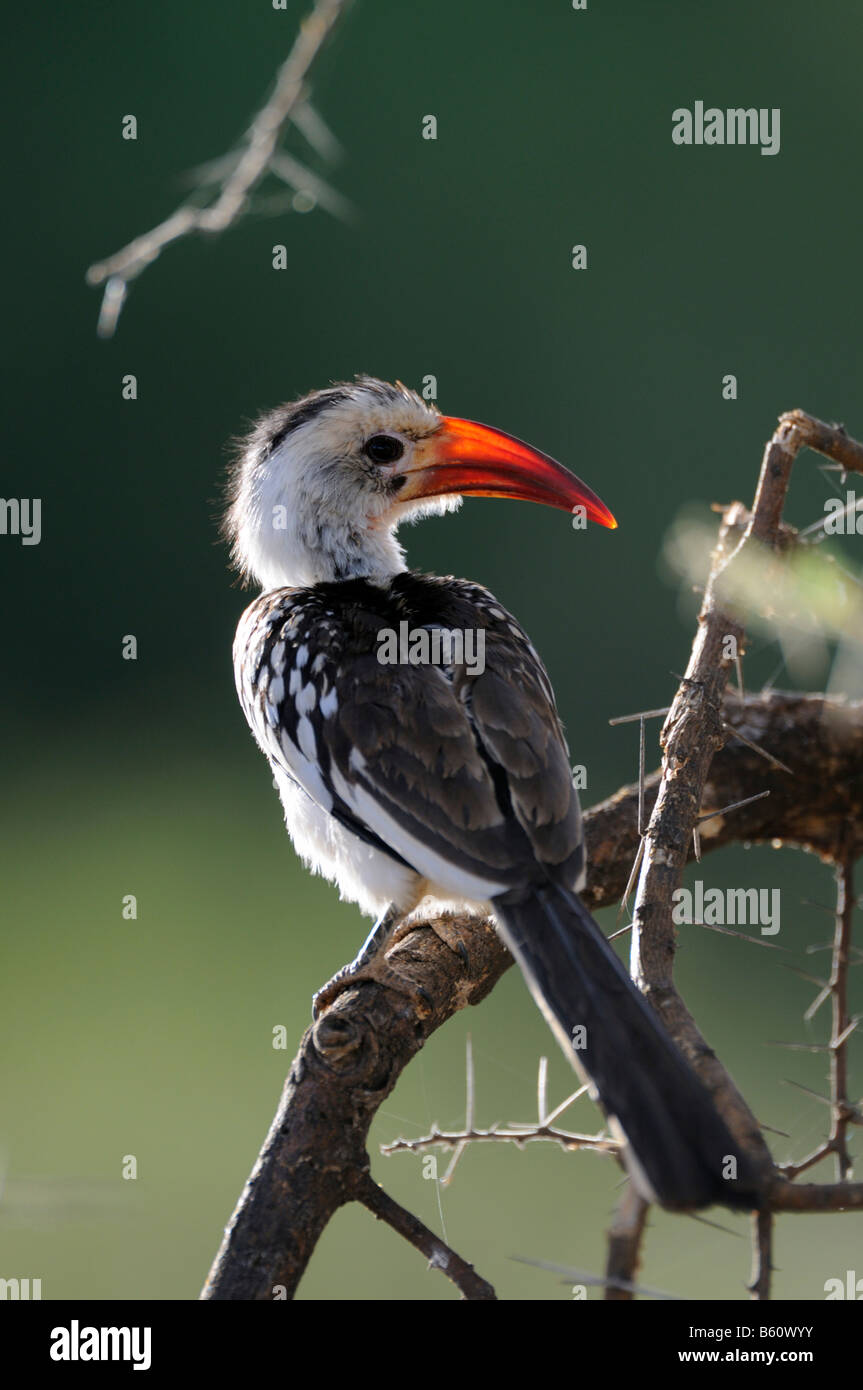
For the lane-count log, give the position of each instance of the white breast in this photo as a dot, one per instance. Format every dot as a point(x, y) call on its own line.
point(363, 874)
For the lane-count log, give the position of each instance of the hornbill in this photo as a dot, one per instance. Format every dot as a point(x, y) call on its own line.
point(428, 784)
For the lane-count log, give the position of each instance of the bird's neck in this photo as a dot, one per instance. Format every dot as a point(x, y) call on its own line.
point(323, 552)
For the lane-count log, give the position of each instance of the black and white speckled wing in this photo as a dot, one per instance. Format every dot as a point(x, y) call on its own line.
point(464, 777)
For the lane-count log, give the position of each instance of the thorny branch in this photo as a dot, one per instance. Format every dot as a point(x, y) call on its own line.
point(237, 175)
point(624, 1246)
point(762, 1255)
point(721, 749)
point(693, 732)
point(843, 1113)
point(842, 1110)
point(519, 1134)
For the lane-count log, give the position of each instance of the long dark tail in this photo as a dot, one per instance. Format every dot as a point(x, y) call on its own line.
point(679, 1150)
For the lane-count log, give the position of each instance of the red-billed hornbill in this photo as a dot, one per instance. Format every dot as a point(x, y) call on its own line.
point(441, 783)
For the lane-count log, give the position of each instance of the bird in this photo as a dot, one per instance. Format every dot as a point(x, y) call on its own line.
point(418, 785)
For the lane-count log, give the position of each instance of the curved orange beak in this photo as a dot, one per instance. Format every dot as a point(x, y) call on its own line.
point(476, 461)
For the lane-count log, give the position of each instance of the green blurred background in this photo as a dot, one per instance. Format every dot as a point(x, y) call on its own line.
point(153, 1037)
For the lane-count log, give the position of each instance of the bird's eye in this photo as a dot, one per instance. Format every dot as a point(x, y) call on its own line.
point(383, 448)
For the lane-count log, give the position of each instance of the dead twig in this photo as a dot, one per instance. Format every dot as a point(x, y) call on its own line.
point(470, 1284)
point(236, 176)
point(518, 1133)
point(762, 1256)
point(624, 1246)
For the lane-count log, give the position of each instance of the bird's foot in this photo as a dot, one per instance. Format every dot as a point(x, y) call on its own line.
point(448, 930)
point(380, 972)
point(372, 963)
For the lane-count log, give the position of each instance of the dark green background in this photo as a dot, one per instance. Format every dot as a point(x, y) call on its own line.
point(153, 1037)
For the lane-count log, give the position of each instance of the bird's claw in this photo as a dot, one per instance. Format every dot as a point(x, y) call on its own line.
point(378, 972)
point(446, 929)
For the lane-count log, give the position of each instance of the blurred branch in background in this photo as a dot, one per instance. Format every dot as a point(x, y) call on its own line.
point(230, 181)
point(722, 752)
